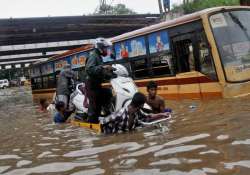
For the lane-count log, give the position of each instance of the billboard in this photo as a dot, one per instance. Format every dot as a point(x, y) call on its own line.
point(60, 63)
point(158, 42)
point(130, 48)
point(79, 60)
point(108, 58)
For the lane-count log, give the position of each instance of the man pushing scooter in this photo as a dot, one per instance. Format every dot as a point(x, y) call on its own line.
point(96, 73)
point(131, 116)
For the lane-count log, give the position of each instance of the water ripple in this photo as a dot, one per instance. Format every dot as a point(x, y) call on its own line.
point(175, 161)
point(96, 150)
point(23, 163)
point(241, 142)
point(178, 150)
point(186, 139)
point(51, 168)
point(4, 168)
point(3, 157)
point(158, 172)
point(90, 172)
point(243, 163)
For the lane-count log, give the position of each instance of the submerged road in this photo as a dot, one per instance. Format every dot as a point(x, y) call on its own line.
point(210, 137)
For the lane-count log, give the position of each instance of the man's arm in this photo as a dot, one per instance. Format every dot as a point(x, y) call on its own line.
point(150, 116)
point(162, 104)
point(70, 74)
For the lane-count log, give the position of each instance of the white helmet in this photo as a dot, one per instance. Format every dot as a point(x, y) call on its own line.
point(101, 43)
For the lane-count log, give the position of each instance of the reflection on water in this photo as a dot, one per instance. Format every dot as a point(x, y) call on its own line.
point(202, 138)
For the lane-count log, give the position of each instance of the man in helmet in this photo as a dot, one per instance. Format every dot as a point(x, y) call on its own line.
point(96, 73)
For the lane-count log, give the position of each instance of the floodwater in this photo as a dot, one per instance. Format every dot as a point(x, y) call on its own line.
point(210, 137)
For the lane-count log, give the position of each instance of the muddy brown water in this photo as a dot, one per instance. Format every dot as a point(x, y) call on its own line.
point(211, 137)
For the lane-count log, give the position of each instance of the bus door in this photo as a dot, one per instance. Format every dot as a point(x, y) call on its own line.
point(186, 61)
point(209, 84)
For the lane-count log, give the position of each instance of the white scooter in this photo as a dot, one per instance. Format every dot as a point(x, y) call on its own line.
point(123, 88)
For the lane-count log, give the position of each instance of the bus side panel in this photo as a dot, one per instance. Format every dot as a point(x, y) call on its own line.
point(169, 92)
point(189, 91)
point(236, 90)
point(211, 90)
point(189, 87)
point(43, 94)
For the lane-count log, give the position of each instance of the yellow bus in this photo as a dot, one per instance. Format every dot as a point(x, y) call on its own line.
point(202, 55)
point(198, 56)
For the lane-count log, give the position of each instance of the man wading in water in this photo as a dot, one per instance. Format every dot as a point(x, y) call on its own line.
point(156, 102)
point(65, 86)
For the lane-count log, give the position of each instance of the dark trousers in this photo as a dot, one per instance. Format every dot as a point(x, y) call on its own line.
point(98, 97)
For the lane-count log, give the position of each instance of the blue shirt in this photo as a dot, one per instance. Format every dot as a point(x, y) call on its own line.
point(58, 118)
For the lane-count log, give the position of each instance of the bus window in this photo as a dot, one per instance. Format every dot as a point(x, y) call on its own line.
point(51, 81)
point(38, 83)
point(140, 68)
point(45, 82)
point(57, 76)
point(159, 48)
point(33, 85)
point(205, 60)
point(161, 64)
point(184, 55)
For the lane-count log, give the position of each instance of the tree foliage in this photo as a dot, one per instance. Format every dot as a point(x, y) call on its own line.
point(118, 9)
point(197, 5)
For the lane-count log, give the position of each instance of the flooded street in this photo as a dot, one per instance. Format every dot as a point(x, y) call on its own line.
point(202, 138)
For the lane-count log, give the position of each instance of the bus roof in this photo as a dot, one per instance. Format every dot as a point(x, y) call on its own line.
point(65, 54)
point(170, 23)
point(71, 52)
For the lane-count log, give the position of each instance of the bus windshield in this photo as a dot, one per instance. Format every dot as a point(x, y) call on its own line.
point(231, 30)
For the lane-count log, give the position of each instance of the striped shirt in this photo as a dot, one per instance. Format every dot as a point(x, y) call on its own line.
point(121, 121)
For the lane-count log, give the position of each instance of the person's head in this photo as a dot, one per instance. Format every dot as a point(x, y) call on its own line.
point(102, 45)
point(60, 106)
point(152, 89)
point(138, 101)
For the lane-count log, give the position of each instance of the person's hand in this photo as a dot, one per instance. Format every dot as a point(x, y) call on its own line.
point(160, 115)
point(107, 67)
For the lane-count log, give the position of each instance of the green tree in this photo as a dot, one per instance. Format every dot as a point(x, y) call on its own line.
point(118, 9)
point(197, 5)
point(121, 9)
